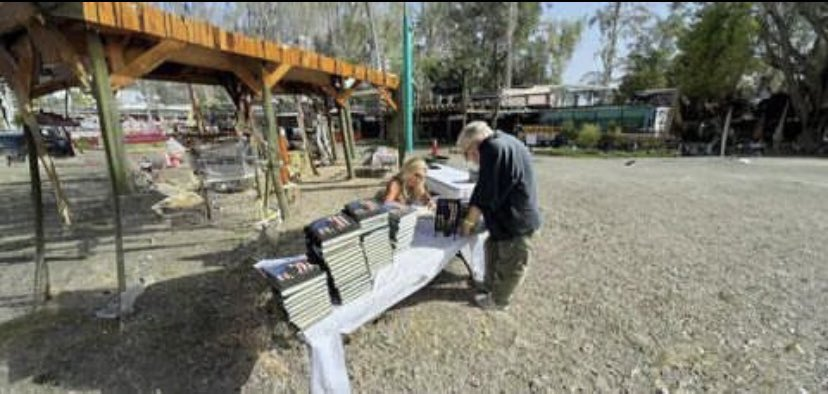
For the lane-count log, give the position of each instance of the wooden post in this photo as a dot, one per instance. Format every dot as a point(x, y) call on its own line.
point(196, 107)
point(335, 156)
point(243, 122)
point(726, 130)
point(205, 195)
point(300, 118)
point(272, 150)
point(343, 129)
point(350, 132)
point(66, 103)
point(112, 136)
point(343, 123)
point(322, 135)
point(266, 195)
point(41, 280)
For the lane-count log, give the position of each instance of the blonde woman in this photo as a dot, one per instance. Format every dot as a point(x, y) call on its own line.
point(408, 186)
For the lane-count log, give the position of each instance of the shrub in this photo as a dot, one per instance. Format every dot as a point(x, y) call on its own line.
point(568, 130)
point(588, 136)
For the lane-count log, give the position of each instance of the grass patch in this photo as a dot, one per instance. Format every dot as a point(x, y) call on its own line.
point(595, 153)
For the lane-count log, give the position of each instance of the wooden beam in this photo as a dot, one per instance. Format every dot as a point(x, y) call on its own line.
point(307, 76)
point(272, 78)
point(345, 95)
point(145, 63)
point(115, 55)
point(198, 79)
point(16, 15)
point(18, 68)
point(340, 97)
point(53, 86)
point(247, 77)
point(41, 277)
point(50, 41)
point(203, 58)
point(8, 70)
point(386, 96)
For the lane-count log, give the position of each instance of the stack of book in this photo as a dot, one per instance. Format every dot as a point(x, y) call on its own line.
point(374, 226)
point(301, 288)
point(334, 243)
point(402, 224)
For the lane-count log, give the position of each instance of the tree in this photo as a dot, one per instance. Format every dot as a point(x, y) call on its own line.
point(471, 43)
point(794, 40)
point(563, 37)
point(510, 35)
point(651, 55)
point(616, 20)
point(646, 70)
point(375, 46)
point(716, 52)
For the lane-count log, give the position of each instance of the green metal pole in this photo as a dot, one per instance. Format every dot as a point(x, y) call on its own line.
point(407, 81)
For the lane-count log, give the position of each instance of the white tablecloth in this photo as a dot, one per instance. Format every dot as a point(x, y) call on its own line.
point(449, 182)
point(411, 270)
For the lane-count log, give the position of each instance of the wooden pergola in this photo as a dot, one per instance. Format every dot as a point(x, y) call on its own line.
point(105, 46)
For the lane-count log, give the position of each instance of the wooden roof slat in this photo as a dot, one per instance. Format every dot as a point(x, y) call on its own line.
point(141, 27)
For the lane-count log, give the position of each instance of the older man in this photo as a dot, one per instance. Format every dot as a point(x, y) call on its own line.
point(506, 197)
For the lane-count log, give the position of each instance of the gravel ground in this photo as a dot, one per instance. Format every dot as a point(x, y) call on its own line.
point(666, 274)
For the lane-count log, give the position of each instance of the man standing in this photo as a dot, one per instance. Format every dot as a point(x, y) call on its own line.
point(506, 196)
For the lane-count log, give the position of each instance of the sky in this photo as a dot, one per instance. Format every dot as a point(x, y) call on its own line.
point(584, 59)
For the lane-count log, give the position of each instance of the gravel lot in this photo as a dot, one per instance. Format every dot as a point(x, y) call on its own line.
point(673, 274)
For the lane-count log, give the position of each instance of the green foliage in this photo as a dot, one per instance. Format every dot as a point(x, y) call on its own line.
point(717, 51)
point(568, 130)
point(563, 37)
point(589, 135)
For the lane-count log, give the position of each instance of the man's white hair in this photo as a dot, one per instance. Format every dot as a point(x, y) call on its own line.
point(473, 133)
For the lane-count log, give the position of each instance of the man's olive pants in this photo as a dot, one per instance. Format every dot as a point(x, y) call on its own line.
point(506, 264)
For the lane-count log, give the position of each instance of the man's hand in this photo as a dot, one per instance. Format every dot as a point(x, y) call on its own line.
point(470, 222)
point(467, 227)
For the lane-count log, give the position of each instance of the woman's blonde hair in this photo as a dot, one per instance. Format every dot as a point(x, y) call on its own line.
point(413, 165)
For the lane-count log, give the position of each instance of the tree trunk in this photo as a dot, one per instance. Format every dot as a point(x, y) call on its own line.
point(510, 34)
point(780, 127)
point(726, 130)
point(376, 52)
point(609, 59)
